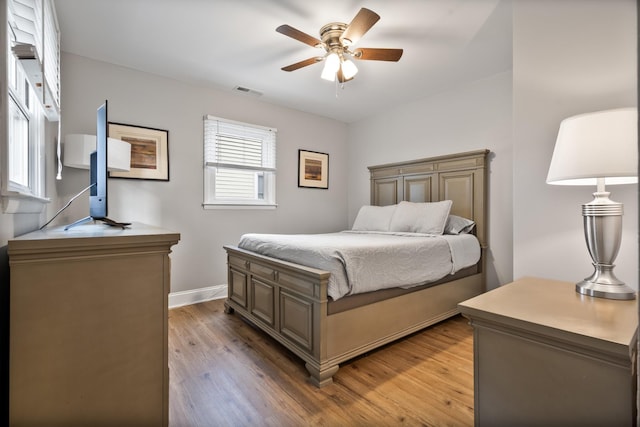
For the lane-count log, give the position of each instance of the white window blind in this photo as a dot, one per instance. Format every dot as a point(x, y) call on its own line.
point(240, 163)
point(37, 46)
point(51, 58)
point(25, 18)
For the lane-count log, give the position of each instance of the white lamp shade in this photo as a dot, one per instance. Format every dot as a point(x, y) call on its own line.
point(596, 145)
point(78, 149)
point(349, 69)
point(331, 67)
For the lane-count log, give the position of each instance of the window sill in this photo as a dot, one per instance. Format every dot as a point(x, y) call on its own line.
point(20, 203)
point(208, 206)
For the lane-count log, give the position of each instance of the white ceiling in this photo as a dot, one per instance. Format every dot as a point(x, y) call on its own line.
point(229, 43)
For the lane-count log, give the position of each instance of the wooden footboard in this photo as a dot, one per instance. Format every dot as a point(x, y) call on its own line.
point(289, 302)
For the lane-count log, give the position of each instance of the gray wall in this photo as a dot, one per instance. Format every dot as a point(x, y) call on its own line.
point(570, 57)
point(12, 225)
point(147, 100)
point(470, 117)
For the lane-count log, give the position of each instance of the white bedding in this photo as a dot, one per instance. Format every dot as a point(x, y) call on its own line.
point(366, 261)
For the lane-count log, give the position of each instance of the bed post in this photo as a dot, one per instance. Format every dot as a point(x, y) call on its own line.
point(321, 377)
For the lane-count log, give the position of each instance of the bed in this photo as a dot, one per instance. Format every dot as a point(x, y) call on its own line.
point(290, 301)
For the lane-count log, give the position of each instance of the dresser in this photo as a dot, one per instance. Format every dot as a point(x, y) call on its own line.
point(546, 355)
point(88, 326)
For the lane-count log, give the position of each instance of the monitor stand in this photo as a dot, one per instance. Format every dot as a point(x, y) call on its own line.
point(113, 223)
point(107, 221)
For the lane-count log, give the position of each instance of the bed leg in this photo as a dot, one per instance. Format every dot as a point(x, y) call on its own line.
point(228, 309)
point(321, 377)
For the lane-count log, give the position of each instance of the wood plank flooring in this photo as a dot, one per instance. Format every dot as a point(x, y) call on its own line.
point(225, 372)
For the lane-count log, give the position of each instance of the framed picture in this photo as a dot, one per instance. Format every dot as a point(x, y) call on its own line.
point(149, 151)
point(313, 169)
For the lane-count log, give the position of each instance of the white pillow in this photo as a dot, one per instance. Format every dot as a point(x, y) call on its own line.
point(421, 217)
point(458, 225)
point(374, 218)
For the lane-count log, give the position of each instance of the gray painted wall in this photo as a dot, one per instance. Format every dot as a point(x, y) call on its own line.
point(570, 57)
point(147, 100)
point(470, 117)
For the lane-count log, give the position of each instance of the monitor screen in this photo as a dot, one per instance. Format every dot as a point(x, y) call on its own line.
point(98, 168)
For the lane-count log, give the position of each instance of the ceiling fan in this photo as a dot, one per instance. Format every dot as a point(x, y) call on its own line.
point(336, 39)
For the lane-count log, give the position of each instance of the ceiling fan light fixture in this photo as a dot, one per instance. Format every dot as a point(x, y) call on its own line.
point(336, 38)
point(327, 75)
point(331, 67)
point(349, 69)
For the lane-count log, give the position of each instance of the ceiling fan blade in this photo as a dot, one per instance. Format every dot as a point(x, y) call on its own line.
point(360, 24)
point(378, 54)
point(289, 31)
point(304, 63)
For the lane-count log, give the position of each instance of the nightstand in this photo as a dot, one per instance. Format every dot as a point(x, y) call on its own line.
point(546, 355)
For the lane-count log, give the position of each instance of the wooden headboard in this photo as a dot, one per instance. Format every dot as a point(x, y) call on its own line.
point(460, 177)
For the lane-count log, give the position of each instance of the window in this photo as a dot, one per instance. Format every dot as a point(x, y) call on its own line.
point(30, 56)
point(18, 146)
point(26, 130)
point(239, 164)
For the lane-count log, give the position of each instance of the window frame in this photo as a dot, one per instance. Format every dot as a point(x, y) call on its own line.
point(36, 100)
point(267, 168)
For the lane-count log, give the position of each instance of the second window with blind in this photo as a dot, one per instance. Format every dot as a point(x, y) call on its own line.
point(239, 164)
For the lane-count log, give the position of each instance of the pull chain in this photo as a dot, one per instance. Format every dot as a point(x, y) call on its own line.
point(338, 85)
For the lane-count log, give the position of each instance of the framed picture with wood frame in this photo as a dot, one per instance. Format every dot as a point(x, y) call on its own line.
point(313, 169)
point(149, 151)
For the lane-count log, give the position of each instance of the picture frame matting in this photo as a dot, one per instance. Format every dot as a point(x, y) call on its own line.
point(149, 151)
point(313, 169)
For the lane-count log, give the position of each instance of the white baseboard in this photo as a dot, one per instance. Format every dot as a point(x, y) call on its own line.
point(194, 296)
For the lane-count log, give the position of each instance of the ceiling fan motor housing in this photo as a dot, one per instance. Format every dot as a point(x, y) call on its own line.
point(331, 34)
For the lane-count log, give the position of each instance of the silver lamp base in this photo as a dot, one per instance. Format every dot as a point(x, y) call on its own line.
point(603, 234)
point(604, 284)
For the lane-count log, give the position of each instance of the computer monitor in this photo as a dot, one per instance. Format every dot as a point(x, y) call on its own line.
point(98, 206)
point(99, 175)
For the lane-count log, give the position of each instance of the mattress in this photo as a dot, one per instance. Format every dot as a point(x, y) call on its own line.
point(362, 262)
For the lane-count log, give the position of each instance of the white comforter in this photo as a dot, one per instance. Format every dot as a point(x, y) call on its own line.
point(367, 261)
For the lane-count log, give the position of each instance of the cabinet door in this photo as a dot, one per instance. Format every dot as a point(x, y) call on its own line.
point(418, 188)
point(386, 191)
point(88, 343)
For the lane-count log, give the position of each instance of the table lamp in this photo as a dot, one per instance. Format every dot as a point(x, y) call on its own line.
point(599, 148)
point(78, 148)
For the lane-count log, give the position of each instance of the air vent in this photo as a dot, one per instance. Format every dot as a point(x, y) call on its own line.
point(247, 91)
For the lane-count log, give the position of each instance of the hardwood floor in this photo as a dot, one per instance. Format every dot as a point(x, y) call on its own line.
point(225, 372)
